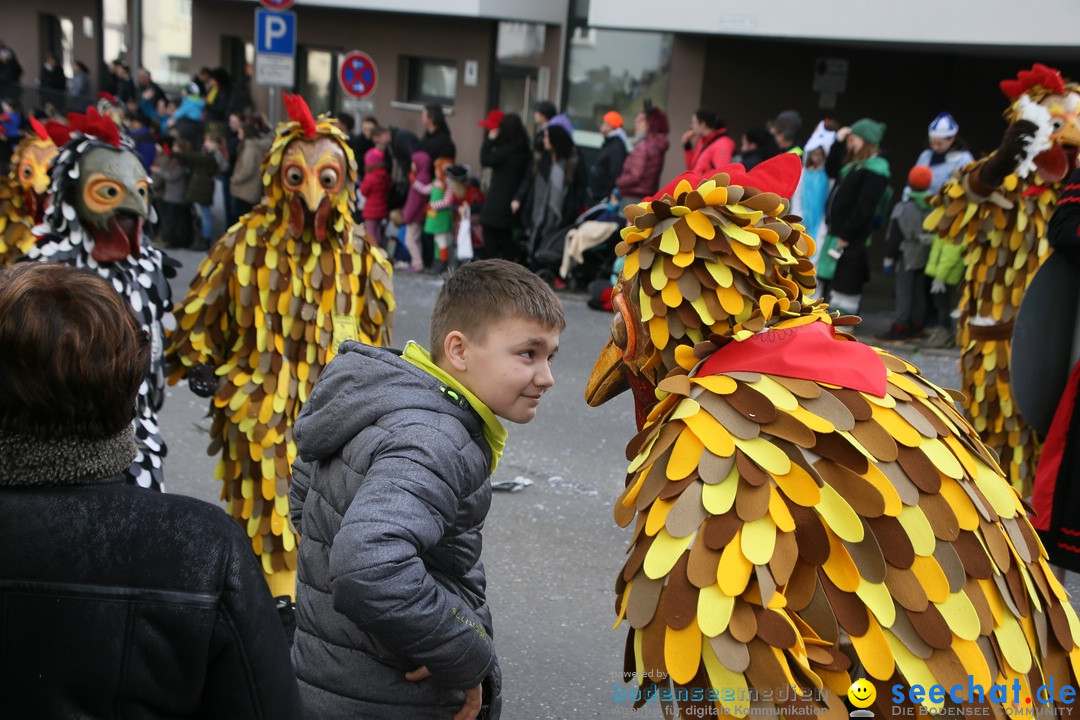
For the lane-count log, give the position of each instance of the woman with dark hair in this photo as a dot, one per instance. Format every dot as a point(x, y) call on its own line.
point(556, 194)
point(640, 176)
point(117, 601)
point(707, 145)
point(508, 152)
point(862, 179)
point(436, 141)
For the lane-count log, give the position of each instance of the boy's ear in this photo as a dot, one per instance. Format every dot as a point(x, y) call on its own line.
point(454, 345)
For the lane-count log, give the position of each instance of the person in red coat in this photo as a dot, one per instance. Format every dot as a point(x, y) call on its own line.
point(707, 145)
point(640, 176)
point(375, 188)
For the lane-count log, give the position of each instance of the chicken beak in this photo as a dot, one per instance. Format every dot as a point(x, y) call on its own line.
point(608, 377)
point(313, 193)
point(41, 181)
point(1070, 134)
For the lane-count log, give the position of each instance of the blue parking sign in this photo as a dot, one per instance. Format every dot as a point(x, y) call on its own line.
point(275, 33)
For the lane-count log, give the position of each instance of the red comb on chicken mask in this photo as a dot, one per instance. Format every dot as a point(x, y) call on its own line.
point(1042, 96)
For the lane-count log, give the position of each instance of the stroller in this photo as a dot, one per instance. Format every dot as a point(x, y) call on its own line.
point(586, 259)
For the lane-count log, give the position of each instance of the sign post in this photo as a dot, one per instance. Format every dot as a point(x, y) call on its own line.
point(275, 50)
point(358, 77)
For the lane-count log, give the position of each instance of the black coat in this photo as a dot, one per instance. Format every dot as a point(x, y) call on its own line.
point(438, 144)
point(607, 167)
point(119, 601)
point(509, 167)
point(850, 215)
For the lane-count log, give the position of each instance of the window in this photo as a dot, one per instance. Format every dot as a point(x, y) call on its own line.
point(317, 78)
point(430, 81)
point(166, 42)
point(613, 70)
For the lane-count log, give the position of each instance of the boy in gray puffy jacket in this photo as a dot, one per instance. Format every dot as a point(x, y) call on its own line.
point(390, 492)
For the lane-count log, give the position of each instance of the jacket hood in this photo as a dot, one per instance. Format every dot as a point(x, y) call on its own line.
point(361, 385)
point(423, 166)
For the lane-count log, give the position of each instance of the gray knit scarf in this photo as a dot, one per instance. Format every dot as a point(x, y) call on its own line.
point(29, 460)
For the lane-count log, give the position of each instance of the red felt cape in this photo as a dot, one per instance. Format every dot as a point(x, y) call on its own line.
point(807, 352)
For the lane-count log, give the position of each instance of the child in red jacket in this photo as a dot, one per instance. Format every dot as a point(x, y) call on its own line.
point(375, 188)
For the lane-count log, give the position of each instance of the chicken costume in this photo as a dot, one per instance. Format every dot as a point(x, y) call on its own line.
point(98, 202)
point(22, 192)
point(998, 209)
point(271, 302)
point(807, 510)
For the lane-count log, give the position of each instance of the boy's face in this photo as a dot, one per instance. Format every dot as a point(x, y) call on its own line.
point(511, 370)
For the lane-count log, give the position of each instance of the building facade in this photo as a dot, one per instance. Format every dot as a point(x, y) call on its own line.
point(901, 63)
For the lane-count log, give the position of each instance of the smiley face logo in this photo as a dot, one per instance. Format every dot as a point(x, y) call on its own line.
point(862, 693)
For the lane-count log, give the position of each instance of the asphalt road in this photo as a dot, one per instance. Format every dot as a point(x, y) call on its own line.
point(551, 548)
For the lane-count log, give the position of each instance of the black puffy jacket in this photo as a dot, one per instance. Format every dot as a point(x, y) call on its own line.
point(121, 602)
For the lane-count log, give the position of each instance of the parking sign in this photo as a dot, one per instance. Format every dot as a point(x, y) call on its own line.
point(275, 47)
point(275, 33)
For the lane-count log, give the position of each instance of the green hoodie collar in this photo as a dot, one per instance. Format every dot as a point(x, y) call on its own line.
point(494, 432)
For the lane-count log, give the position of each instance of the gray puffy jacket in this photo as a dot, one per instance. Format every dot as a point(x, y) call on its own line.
point(389, 495)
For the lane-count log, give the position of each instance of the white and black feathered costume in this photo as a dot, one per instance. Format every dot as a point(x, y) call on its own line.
point(99, 200)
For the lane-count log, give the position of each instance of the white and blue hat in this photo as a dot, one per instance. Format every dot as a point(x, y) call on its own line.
point(943, 126)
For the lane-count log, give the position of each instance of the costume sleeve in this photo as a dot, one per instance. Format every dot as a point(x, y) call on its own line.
point(249, 672)
point(201, 336)
point(406, 505)
point(446, 201)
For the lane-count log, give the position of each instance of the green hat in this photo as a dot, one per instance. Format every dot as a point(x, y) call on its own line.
point(869, 130)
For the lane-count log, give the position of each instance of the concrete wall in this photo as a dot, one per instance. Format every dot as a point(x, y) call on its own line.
point(388, 38)
point(541, 11)
point(20, 30)
point(970, 22)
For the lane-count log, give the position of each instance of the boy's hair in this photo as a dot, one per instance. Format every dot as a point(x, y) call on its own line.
point(480, 294)
point(72, 353)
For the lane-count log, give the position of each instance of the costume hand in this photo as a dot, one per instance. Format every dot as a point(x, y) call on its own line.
point(202, 380)
point(515, 205)
point(431, 213)
point(1009, 153)
point(938, 286)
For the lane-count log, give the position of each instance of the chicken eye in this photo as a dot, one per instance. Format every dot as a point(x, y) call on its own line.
point(143, 189)
point(294, 176)
point(328, 178)
point(618, 332)
point(103, 193)
point(26, 172)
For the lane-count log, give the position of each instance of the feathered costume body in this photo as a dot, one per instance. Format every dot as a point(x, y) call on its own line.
point(1003, 231)
point(23, 191)
point(98, 200)
point(267, 310)
point(807, 510)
